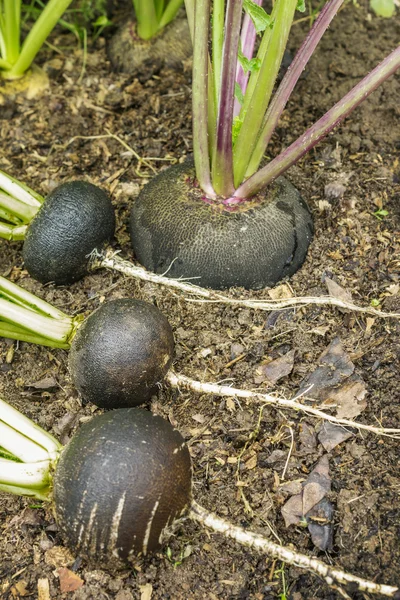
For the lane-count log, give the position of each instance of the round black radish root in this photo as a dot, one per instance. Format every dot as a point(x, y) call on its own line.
point(76, 218)
point(170, 47)
point(253, 245)
point(122, 480)
point(120, 353)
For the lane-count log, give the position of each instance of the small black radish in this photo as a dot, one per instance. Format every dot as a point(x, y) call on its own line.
point(118, 354)
point(61, 232)
point(121, 482)
point(76, 218)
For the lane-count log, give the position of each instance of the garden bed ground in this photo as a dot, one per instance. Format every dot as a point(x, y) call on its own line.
point(85, 129)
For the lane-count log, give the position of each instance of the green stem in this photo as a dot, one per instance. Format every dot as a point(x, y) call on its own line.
point(21, 447)
point(12, 10)
point(19, 209)
point(200, 96)
point(31, 475)
point(28, 429)
point(12, 234)
point(13, 332)
point(19, 190)
point(37, 36)
point(55, 331)
point(189, 7)
point(18, 295)
point(39, 494)
point(258, 103)
point(147, 24)
point(217, 43)
point(169, 13)
point(38, 450)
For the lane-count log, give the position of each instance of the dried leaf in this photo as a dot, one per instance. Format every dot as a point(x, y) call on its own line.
point(312, 494)
point(292, 510)
point(349, 398)
point(334, 367)
point(69, 581)
point(43, 588)
point(332, 435)
point(280, 367)
point(44, 384)
point(320, 525)
point(19, 590)
point(335, 290)
point(146, 591)
point(280, 292)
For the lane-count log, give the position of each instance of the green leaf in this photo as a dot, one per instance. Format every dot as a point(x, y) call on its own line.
point(238, 93)
point(258, 15)
point(101, 21)
point(383, 8)
point(251, 65)
point(301, 6)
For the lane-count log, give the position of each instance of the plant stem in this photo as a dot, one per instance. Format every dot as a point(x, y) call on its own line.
point(146, 17)
point(21, 447)
point(12, 233)
point(169, 13)
point(217, 43)
point(18, 295)
point(289, 81)
point(200, 96)
point(222, 160)
point(24, 212)
point(37, 35)
point(30, 475)
point(248, 39)
point(28, 428)
point(20, 191)
point(321, 128)
point(11, 29)
point(258, 103)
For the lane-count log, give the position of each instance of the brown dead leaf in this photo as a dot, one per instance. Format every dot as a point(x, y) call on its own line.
point(19, 590)
point(335, 290)
point(146, 591)
point(333, 368)
point(43, 588)
point(69, 581)
point(349, 398)
point(331, 435)
point(280, 292)
point(280, 367)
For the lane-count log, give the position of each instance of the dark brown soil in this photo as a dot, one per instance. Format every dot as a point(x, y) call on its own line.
point(83, 127)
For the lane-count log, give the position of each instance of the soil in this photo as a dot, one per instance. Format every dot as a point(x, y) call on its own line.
point(117, 130)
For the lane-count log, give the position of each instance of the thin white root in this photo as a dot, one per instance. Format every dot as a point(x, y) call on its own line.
point(181, 381)
point(110, 260)
point(255, 541)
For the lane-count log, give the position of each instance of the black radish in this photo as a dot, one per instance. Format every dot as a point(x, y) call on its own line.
point(60, 232)
point(123, 479)
point(121, 485)
point(118, 354)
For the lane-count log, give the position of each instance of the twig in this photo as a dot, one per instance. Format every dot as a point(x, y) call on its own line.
point(255, 541)
point(177, 380)
point(110, 260)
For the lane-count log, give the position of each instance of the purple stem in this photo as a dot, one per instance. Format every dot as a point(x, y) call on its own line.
point(294, 72)
point(222, 167)
point(248, 40)
point(200, 96)
point(321, 128)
